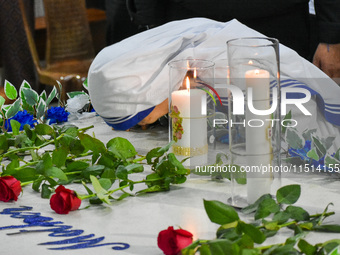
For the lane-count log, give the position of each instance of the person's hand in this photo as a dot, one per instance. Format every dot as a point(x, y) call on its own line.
point(156, 113)
point(327, 58)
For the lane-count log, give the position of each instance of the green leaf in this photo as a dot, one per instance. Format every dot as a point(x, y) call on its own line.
point(13, 109)
point(306, 248)
point(44, 129)
point(25, 174)
point(176, 164)
point(45, 191)
point(135, 168)
point(294, 139)
point(331, 162)
point(253, 207)
point(15, 126)
point(121, 173)
point(191, 249)
point(51, 96)
point(31, 97)
point(288, 194)
point(219, 212)
point(59, 156)
point(155, 188)
point(85, 84)
point(92, 144)
point(297, 213)
point(124, 195)
point(41, 108)
point(109, 173)
point(43, 95)
point(320, 149)
point(266, 207)
point(36, 184)
point(335, 251)
point(331, 228)
point(281, 217)
point(100, 191)
point(284, 250)
point(95, 201)
point(253, 232)
point(157, 152)
point(271, 225)
point(121, 148)
point(10, 91)
point(337, 154)
point(105, 183)
point(76, 93)
point(313, 155)
point(222, 247)
point(77, 166)
point(307, 134)
point(294, 239)
point(3, 144)
point(2, 101)
point(204, 250)
point(56, 172)
point(330, 245)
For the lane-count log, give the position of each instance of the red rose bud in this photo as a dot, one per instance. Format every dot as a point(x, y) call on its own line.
point(171, 241)
point(64, 200)
point(10, 188)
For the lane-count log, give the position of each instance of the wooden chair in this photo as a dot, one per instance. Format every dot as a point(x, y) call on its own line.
point(69, 47)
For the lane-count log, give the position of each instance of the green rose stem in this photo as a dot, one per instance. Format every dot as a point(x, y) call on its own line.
point(110, 192)
point(26, 183)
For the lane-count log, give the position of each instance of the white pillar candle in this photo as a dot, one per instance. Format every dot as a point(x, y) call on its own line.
point(258, 140)
point(191, 104)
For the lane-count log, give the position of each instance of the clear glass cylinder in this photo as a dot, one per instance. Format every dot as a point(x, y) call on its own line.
point(254, 118)
point(191, 110)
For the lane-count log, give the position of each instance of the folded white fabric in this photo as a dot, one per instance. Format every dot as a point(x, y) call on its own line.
point(132, 75)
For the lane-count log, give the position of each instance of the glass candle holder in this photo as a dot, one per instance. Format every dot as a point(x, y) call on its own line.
point(254, 118)
point(191, 109)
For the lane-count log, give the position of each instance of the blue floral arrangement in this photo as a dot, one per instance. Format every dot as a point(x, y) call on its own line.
point(28, 107)
point(57, 115)
point(23, 117)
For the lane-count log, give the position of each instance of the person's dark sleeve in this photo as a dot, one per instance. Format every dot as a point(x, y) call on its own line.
point(328, 18)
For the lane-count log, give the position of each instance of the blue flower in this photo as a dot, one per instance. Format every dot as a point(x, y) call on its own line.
point(23, 118)
point(301, 153)
point(57, 115)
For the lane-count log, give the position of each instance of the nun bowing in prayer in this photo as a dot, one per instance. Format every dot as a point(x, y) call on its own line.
point(129, 80)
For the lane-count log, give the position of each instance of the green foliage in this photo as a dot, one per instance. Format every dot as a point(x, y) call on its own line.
point(72, 156)
point(26, 99)
point(236, 237)
point(316, 154)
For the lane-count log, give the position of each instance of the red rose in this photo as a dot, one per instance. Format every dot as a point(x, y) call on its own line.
point(10, 188)
point(64, 200)
point(171, 241)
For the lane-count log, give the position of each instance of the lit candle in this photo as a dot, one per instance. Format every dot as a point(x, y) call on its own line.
point(191, 105)
point(258, 141)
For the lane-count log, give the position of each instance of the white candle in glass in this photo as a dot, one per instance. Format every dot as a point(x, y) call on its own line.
point(191, 103)
point(258, 141)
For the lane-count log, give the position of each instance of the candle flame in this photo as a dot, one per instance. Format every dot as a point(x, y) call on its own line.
point(187, 81)
point(257, 72)
point(250, 62)
point(195, 73)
